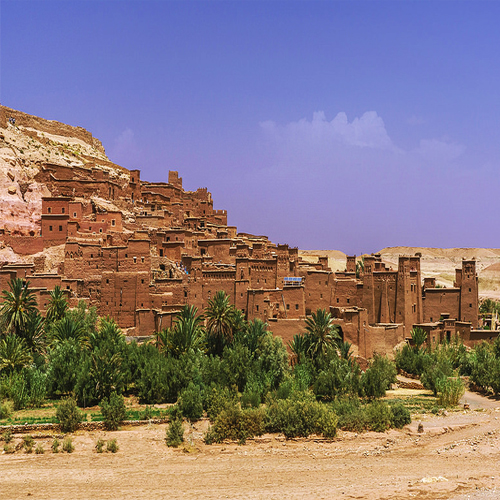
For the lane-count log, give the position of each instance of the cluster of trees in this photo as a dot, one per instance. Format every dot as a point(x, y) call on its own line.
point(205, 362)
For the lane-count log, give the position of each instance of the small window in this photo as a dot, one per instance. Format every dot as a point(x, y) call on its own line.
point(142, 281)
point(49, 210)
point(50, 228)
point(107, 281)
point(161, 252)
point(185, 293)
point(348, 301)
point(337, 300)
point(288, 307)
point(470, 305)
point(470, 289)
point(62, 210)
point(113, 222)
point(60, 228)
point(91, 255)
point(257, 307)
point(100, 230)
point(142, 260)
point(296, 307)
point(135, 260)
point(74, 214)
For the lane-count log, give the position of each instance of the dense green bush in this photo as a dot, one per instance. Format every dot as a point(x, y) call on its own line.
point(67, 445)
point(217, 399)
point(191, 402)
point(378, 377)
point(113, 411)
point(338, 378)
point(400, 415)
point(68, 415)
point(351, 414)
point(449, 391)
point(175, 431)
point(235, 424)
point(301, 418)
point(378, 416)
point(6, 408)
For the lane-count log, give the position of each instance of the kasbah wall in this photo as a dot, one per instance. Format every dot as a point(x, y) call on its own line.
point(154, 247)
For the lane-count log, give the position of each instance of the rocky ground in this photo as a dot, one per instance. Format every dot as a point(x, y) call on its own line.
point(455, 457)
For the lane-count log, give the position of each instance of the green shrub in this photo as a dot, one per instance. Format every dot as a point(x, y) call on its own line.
point(68, 415)
point(147, 413)
point(379, 416)
point(112, 446)
point(433, 374)
point(99, 447)
point(450, 390)
point(7, 436)
point(28, 443)
point(400, 415)
point(39, 449)
point(6, 408)
point(338, 378)
point(218, 399)
point(113, 411)
point(378, 377)
point(175, 433)
point(55, 446)
point(301, 418)
point(235, 424)
point(67, 445)
point(251, 396)
point(7, 448)
point(191, 402)
point(351, 415)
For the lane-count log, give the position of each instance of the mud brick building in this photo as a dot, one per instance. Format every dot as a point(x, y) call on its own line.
point(139, 251)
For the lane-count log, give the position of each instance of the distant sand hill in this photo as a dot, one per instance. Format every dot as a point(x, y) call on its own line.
point(439, 263)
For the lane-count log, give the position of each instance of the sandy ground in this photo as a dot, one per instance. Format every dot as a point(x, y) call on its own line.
point(456, 457)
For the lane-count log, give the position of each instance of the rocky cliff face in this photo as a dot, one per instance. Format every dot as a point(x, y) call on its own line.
point(27, 143)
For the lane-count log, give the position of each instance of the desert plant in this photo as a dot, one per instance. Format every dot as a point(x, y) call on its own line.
point(112, 446)
point(400, 415)
point(378, 377)
point(8, 448)
point(450, 390)
point(301, 418)
point(7, 436)
point(55, 446)
point(236, 425)
point(6, 408)
point(39, 450)
point(113, 411)
point(99, 447)
point(191, 402)
point(28, 443)
point(352, 416)
point(175, 433)
point(67, 445)
point(218, 399)
point(379, 416)
point(68, 415)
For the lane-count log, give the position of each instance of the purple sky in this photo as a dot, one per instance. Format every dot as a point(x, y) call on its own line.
point(326, 125)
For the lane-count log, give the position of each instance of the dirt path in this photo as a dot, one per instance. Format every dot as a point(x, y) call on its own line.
point(456, 454)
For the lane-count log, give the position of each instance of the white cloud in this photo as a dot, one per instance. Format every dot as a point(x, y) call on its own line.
point(368, 131)
point(439, 151)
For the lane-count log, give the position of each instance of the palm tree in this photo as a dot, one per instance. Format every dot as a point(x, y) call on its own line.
point(220, 314)
point(419, 337)
point(299, 347)
point(34, 332)
point(187, 333)
point(322, 332)
point(253, 334)
point(14, 354)
point(57, 305)
point(66, 329)
point(17, 304)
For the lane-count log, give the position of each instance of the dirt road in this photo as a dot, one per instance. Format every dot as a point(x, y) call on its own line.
point(456, 457)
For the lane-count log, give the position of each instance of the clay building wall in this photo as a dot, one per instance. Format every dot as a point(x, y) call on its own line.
point(469, 296)
point(135, 257)
point(288, 303)
point(439, 301)
point(345, 293)
point(75, 209)
point(318, 290)
point(92, 227)
point(286, 329)
point(216, 248)
point(112, 219)
point(122, 293)
point(83, 260)
point(262, 273)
